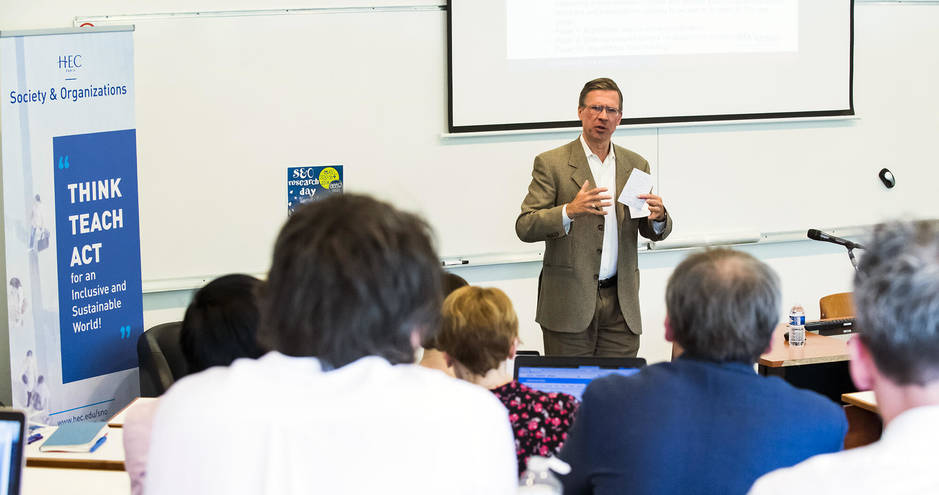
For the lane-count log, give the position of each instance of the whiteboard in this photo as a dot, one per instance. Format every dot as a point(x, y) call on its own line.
point(225, 104)
point(794, 176)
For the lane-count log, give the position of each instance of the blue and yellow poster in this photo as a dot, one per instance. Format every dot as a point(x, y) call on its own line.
point(312, 183)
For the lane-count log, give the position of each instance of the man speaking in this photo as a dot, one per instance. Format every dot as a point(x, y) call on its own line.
point(588, 292)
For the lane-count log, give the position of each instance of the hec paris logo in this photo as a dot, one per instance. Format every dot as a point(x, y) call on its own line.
point(70, 63)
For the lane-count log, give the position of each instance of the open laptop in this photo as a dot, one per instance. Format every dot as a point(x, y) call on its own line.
point(12, 450)
point(569, 374)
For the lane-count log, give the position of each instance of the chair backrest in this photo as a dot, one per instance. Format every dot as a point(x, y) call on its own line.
point(840, 305)
point(160, 358)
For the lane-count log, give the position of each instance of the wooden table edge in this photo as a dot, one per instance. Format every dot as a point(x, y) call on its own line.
point(836, 358)
point(49, 462)
point(849, 398)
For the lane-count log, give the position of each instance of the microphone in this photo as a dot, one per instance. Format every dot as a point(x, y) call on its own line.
point(818, 235)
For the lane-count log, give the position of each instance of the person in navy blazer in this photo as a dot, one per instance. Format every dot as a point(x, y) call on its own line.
point(706, 422)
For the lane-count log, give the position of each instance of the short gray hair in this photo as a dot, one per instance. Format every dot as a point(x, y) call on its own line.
point(723, 305)
point(896, 293)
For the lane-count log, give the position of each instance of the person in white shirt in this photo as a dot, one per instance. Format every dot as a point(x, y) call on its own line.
point(896, 293)
point(433, 357)
point(337, 405)
point(220, 326)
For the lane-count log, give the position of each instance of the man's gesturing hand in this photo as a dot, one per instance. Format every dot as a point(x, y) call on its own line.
point(589, 202)
point(656, 207)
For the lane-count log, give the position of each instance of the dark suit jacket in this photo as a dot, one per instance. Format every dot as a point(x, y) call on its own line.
point(567, 293)
point(694, 427)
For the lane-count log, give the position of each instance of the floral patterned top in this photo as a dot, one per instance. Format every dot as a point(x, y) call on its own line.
point(540, 420)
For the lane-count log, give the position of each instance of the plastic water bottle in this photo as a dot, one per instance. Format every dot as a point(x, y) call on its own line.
point(797, 326)
point(538, 478)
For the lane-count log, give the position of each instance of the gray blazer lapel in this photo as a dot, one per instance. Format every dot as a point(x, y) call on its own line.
point(578, 161)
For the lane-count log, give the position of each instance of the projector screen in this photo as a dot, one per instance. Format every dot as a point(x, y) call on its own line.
point(520, 64)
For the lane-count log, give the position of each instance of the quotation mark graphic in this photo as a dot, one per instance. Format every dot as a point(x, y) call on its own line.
point(63, 162)
point(125, 332)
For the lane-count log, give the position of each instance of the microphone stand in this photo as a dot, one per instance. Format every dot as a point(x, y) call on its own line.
point(853, 259)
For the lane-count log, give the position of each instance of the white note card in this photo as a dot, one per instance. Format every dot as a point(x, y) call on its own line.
point(640, 212)
point(639, 183)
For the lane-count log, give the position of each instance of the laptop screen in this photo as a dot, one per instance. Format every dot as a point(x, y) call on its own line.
point(570, 375)
point(11, 451)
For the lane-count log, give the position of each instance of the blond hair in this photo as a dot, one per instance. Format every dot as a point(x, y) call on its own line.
point(479, 328)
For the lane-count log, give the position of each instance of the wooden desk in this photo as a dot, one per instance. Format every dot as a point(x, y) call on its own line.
point(820, 365)
point(45, 481)
point(110, 456)
point(864, 423)
point(865, 400)
point(817, 349)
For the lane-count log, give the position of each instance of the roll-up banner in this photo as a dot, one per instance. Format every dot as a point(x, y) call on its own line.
point(71, 221)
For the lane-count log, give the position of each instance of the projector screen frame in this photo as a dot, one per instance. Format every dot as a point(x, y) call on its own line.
point(648, 121)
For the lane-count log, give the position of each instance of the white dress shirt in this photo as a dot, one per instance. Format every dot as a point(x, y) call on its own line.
point(281, 425)
point(604, 173)
point(904, 461)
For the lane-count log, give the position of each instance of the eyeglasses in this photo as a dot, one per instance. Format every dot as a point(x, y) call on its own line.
point(598, 109)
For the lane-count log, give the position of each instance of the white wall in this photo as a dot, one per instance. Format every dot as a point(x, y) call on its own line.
point(808, 270)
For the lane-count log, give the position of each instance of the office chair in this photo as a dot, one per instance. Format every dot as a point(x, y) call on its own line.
point(160, 358)
point(840, 305)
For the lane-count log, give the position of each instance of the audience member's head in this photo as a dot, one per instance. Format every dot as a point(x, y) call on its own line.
point(896, 354)
point(221, 323)
point(432, 357)
point(479, 329)
point(722, 305)
point(451, 282)
point(896, 293)
point(351, 277)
